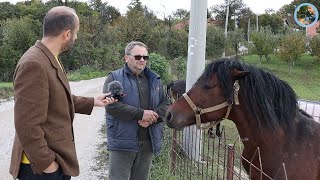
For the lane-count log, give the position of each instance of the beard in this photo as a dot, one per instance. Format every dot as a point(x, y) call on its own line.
point(68, 46)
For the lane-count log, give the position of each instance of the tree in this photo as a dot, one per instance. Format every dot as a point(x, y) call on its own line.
point(181, 14)
point(234, 39)
point(135, 26)
point(177, 43)
point(235, 13)
point(160, 65)
point(264, 42)
point(34, 9)
point(315, 47)
point(8, 11)
point(287, 12)
point(107, 15)
point(18, 35)
point(136, 5)
point(215, 42)
point(292, 45)
point(103, 33)
point(246, 14)
point(273, 21)
point(181, 67)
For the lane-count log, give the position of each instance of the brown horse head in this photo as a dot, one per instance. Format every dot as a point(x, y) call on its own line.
point(206, 95)
point(266, 114)
point(269, 101)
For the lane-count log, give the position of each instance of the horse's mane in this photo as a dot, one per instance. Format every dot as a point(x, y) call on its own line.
point(271, 101)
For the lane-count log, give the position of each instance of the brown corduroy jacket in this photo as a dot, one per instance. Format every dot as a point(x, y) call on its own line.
point(43, 113)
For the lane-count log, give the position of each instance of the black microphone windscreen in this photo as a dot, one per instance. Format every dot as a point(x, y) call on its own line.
point(116, 89)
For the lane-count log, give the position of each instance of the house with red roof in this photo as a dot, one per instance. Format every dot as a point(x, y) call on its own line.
point(312, 30)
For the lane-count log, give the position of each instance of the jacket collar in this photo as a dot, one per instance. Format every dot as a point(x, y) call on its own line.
point(61, 74)
point(148, 72)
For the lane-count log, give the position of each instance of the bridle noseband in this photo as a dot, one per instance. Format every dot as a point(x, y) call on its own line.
point(198, 111)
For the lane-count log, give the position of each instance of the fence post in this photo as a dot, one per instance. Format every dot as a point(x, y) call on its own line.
point(230, 162)
point(173, 152)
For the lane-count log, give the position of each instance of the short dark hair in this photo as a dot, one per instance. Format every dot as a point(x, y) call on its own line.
point(57, 21)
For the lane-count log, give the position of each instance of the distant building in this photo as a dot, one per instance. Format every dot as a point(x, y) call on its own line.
point(312, 30)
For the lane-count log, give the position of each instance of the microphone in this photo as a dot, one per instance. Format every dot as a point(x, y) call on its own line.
point(116, 89)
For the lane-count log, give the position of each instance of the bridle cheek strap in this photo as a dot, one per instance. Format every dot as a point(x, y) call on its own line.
point(198, 111)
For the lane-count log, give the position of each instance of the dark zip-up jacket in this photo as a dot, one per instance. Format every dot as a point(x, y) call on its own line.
point(122, 117)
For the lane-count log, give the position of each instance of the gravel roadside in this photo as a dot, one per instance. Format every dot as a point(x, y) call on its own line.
point(86, 130)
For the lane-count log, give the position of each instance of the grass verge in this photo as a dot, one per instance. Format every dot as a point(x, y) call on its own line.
point(85, 73)
point(101, 166)
point(304, 78)
point(6, 90)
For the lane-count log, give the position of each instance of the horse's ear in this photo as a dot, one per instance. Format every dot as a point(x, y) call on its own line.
point(236, 74)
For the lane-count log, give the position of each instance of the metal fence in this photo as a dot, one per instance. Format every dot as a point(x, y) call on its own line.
point(201, 155)
point(311, 107)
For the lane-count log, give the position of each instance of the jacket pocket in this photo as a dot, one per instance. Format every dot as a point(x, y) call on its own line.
point(56, 134)
point(127, 130)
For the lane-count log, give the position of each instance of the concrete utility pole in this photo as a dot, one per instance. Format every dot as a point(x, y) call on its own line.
point(257, 22)
point(248, 30)
point(226, 29)
point(195, 66)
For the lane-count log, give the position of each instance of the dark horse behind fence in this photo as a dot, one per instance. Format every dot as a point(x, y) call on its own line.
point(175, 90)
point(281, 141)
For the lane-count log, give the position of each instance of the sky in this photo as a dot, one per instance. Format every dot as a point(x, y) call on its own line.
point(166, 7)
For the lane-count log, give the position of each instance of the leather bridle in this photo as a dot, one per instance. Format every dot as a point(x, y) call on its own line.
point(198, 111)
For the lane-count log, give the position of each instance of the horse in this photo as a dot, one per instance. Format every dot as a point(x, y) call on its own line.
point(175, 90)
point(280, 140)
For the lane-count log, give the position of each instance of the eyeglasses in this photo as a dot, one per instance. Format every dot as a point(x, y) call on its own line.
point(138, 57)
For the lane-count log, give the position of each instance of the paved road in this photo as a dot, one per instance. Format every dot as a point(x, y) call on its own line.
point(86, 129)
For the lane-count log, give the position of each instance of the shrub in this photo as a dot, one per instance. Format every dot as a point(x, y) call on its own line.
point(315, 47)
point(291, 47)
point(160, 65)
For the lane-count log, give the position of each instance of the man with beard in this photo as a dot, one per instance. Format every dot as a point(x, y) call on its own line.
point(44, 106)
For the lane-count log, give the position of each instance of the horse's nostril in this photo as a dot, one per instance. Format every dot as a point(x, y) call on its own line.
point(169, 115)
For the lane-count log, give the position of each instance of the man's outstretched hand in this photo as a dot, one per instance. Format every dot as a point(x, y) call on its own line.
point(102, 100)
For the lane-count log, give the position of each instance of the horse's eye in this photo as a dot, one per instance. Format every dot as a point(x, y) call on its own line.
point(206, 86)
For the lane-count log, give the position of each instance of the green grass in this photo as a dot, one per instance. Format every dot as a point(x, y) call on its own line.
point(6, 90)
point(305, 75)
point(102, 156)
point(85, 73)
point(6, 85)
point(161, 165)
